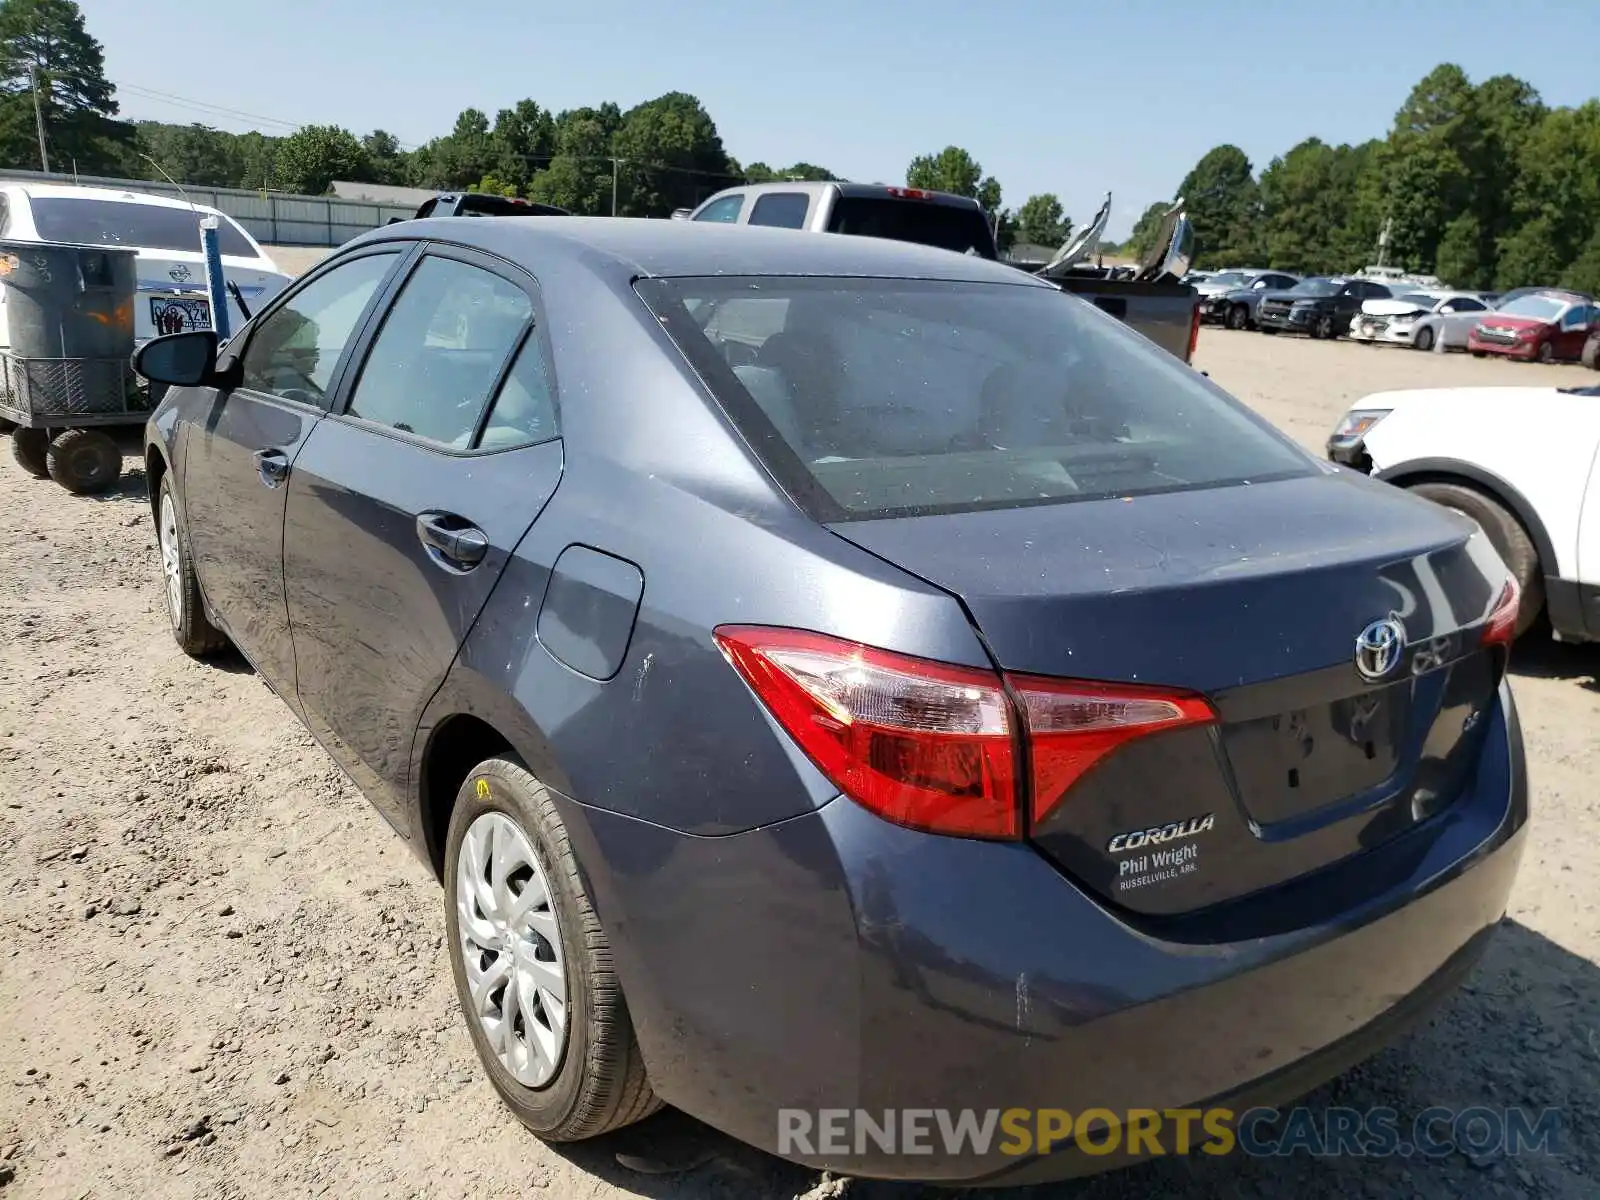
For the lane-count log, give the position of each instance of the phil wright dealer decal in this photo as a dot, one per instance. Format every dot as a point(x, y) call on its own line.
point(1158, 854)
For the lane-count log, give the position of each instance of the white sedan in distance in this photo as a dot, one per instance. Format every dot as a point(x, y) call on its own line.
point(1420, 319)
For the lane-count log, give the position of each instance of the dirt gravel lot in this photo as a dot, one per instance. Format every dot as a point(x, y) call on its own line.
point(222, 976)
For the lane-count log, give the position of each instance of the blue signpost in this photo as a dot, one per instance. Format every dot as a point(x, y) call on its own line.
point(215, 284)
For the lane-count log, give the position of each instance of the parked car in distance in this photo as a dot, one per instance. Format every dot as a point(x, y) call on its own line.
point(1544, 327)
point(171, 269)
point(700, 603)
point(1523, 462)
point(1236, 308)
point(1319, 307)
point(1226, 281)
point(1400, 319)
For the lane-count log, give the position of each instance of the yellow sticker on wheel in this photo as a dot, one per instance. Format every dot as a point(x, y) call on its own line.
point(483, 789)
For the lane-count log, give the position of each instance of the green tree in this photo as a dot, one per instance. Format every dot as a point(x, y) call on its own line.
point(1460, 260)
point(1224, 205)
point(491, 186)
point(579, 177)
point(194, 154)
point(1557, 197)
point(386, 162)
point(1145, 230)
point(1319, 207)
point(759, 172)
point(524, 139)
point(1041, 221)
point(459, 159)
point(313, 156)
point(44, 45)
point(672, 156)
point(954, 170)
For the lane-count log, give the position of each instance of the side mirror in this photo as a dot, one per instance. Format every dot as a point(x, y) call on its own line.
point(179, 359)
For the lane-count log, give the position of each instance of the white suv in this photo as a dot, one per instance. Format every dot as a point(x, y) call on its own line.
point(1524, 462)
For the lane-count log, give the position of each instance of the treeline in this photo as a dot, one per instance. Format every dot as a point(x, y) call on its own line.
point(1481, 184)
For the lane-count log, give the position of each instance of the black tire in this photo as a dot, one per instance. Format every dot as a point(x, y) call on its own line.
point(85, 461)
point(186, 612)
point(1480, 354)
point(1506, 535)
point(1546, 353)
point(1591, 352)
point(28, 447)
point(600, 1084)
point(1238, 316)
point(1423, 340)
point(1326, 329)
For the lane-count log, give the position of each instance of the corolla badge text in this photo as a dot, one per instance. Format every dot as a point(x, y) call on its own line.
point(1159, 835)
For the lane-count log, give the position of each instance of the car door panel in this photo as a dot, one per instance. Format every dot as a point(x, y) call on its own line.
point(239, 457)
point(404, 507)
point(377, 612)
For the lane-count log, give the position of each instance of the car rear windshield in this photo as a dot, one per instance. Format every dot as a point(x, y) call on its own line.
point(136, 226)
point(870, 397)
point(927, 222)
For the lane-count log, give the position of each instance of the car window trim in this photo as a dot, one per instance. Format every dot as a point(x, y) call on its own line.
point(237, 348)
point(373, 328)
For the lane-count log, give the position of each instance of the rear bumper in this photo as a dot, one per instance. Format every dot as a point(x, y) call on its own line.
point(835, 961)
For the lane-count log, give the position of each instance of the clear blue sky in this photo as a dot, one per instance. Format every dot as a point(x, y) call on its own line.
point(1068, 96)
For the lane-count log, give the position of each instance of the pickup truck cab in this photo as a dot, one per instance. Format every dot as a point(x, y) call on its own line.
point(1155, 302)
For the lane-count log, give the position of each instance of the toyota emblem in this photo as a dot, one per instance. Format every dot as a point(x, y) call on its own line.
point(179, 274)
point(1379, 647)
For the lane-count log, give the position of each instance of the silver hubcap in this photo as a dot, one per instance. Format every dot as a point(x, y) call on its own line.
point(511, 947)
point(171, 566)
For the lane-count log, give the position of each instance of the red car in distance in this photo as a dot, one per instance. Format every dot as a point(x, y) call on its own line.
point(1544, 326)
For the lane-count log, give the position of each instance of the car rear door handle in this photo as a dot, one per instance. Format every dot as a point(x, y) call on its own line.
point(272, 466)
point(451, 541)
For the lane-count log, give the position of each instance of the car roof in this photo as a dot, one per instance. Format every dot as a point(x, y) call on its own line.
point(641, 247)
point(60, 191)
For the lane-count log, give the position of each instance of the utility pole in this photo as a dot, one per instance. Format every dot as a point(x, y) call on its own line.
point(38, 118)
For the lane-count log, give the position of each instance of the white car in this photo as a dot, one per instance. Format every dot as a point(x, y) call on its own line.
point(1403, 320)
point(1523, 462)
point(165, 232)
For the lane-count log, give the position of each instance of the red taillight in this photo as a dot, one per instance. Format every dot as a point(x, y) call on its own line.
point(1194, 330)
point(1500, 629)
point(906, 193)
point(930, 745)
point(1073, 725)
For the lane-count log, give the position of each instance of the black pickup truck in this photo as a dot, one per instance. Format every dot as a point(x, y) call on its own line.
point(1154, 301)
point(481, 204)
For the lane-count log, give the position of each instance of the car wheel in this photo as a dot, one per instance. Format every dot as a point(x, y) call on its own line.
point(1326, 330)
point(1480, 354)
point(28, 447)
point(1238, 316)
point(1591, 353)
point(85, 461)
point(1505, 533)
point(186, 614)
point(532, 966)
point(1546, 352)
point(1423, 340)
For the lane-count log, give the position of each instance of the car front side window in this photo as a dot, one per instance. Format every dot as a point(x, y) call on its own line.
point(295, 349)
point(726, 210)
point(441, 350)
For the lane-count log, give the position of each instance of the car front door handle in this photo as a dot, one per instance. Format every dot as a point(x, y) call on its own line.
point(272, 466)
point(451, 541)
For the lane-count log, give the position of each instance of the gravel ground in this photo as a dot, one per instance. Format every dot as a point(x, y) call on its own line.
point(222, 976)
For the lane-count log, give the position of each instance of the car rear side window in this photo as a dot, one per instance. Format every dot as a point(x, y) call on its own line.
point(927, 222)
point(293, 350)
point(442, 349)
point(870, 398)
point(525, 410)
point(786, 210)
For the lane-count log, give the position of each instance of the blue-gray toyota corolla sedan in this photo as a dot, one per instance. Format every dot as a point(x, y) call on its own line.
point(831, 674)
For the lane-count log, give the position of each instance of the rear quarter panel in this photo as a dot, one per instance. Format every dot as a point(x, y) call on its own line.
point(1536, 440)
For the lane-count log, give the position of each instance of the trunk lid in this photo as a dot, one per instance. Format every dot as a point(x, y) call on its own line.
point(172, 291)
point(1254, 596)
